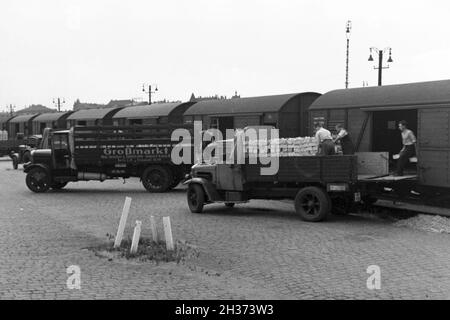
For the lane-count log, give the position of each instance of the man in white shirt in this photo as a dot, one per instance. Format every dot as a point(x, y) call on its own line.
point(409, 147)
point(326, 143)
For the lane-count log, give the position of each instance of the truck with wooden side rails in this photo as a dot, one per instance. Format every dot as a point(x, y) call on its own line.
point(106, 152)
point(317, 184)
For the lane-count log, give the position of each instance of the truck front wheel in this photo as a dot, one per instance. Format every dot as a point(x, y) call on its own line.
point(38, 180)
point(156, 179)
point(195, 198)
point(312, 204)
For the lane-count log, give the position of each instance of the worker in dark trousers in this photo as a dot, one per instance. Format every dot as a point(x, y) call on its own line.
point(344, 138)
point(408, 150)
point(325, 140)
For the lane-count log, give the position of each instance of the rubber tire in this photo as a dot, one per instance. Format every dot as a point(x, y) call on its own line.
point(175, 182)
point(41, 187)
point(15, 162)
point(320, 197)
point(229, 204)
point(163, 172)
point(195, 198)
point(58, 185)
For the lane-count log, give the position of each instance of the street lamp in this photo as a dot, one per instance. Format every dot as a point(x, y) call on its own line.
point(57, 102)
point(380, 61)
point(149, 92)
point(348, 30)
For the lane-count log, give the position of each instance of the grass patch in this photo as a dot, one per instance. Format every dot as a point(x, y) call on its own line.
point(147, 251)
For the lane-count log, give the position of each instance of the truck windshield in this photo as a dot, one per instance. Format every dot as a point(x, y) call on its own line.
point(60, 141)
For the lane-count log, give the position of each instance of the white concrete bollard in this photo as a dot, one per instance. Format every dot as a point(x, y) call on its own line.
point(154, 229)
point(136, 236)
point(123, 222)
point(168, 233)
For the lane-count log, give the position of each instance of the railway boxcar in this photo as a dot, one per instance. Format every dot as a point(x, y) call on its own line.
point(92, 117)
point(371, 116)
point(156, 113)
point(288, 113)
point(54, 120)
point(21, 124)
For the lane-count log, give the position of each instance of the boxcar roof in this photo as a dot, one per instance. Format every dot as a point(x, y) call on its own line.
point(148, 111)
point(402, 95)
point(242, 105)
point(91, 114)
point(23, 118)
point(51, 116)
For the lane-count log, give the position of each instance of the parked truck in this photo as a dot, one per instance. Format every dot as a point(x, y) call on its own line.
point(22, 154)
point(10, 145)
point(105, 152)
point(315, 183)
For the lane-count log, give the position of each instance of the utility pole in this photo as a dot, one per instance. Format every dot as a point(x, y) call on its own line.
point(11, 110)
point(58, 103)
point(149, 92)
point(347, 34)
point(380, 61)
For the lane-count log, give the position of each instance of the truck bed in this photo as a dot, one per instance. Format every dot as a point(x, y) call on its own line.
point(322, 169)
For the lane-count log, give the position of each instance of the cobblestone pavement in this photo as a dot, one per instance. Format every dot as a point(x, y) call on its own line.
point(260, 250)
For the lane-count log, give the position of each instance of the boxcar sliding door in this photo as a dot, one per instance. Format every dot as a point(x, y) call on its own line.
point(434, 147)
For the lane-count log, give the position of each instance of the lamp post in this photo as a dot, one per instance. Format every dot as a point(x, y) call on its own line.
point(380, 61)
point(347, 34)
point(58, 102)
point(149, 92)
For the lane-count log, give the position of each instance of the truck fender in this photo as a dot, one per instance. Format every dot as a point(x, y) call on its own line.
point(36, 165)
point(208, 186)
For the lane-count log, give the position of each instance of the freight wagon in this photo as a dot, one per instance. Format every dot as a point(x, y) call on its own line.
point(106, 152)
point(371, 116)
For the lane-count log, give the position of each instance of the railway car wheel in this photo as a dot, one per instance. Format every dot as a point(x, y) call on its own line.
point(58, 185)
point(195, 198)
point(312, 204)
point(38, 180)
point(156, 179)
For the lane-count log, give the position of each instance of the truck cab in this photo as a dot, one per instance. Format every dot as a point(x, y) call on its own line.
point(50, 165)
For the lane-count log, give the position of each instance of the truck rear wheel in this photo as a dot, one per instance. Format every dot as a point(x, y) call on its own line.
point(312, 204)
point(195, 198)
point(156, 179)
point(38, 180)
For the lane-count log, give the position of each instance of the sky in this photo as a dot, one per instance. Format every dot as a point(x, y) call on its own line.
point(97, 50)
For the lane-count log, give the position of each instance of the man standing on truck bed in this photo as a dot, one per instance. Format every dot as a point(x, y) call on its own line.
point(325, 140)
point(344, 138)
point(408, 150)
